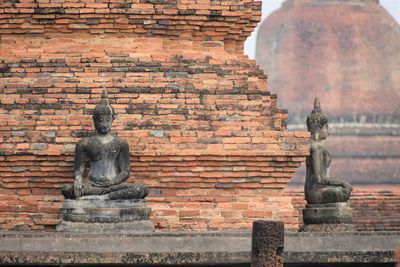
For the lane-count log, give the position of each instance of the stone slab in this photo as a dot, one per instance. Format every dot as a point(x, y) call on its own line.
point(119, 227)
point(91, 215)
point(334, 213)
point(340, 227)
point(96, 203)
point(104, 211)
point(182, 248)
point(341, 247)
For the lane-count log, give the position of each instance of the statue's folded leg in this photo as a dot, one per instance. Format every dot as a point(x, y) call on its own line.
point(334, 194)
point(121, 191)
point(129, 191)
point(69, 192)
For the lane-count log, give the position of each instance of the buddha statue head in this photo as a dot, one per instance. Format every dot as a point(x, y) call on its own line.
point(103, 115)
point(317, 123)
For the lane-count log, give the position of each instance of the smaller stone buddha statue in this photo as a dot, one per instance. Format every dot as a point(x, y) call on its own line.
point(327, 208)
point(109, 162)
point(319, 187)
point(103, 200)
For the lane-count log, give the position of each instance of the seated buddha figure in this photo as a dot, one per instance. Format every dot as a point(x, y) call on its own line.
point(319, 187)
point(109, 162)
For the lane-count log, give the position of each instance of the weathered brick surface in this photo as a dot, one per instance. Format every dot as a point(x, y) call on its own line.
point(205, 134)
point(376, 208)
point(200, 19)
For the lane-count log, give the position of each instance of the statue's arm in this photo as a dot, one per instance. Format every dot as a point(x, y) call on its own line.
point(124, 159)
point(338, 183)
point(317, 155)
point(79, 167)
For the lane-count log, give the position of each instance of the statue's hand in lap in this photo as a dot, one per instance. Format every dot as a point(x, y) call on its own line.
point(103, 182)
point(78, 188)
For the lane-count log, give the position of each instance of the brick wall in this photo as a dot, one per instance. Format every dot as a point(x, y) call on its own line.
point(228, 21)
point(205, 134)
point(376, 208)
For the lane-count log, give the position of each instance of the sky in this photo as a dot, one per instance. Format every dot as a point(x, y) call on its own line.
point(392, 6)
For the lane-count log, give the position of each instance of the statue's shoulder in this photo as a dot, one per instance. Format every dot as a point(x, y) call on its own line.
point(121, 141)
point(86, 141)
point(316, 147)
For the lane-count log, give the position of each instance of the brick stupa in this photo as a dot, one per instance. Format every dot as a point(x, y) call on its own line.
point(205, 134)
point(348, 54)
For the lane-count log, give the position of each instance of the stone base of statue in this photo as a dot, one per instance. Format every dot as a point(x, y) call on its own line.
point(331, 217)
point(98, 215)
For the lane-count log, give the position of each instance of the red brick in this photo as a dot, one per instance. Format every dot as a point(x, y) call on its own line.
point(192, 144)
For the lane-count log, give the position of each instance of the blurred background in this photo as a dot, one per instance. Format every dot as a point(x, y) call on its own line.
point(346, 52)
point(269, 6)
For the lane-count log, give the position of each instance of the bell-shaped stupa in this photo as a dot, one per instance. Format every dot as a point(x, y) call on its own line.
point(348, 54)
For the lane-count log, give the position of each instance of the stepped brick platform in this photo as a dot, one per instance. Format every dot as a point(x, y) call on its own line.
point(205, 134)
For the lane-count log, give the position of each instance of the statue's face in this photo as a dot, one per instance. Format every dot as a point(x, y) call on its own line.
point(323, 132)
point(103, 123)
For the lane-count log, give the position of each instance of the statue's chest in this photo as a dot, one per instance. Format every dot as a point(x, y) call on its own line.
point(326, 158)
point(98, 150)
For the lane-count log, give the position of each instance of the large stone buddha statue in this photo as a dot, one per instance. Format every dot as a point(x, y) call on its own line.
point(327, 208)
point(109, 162)
point(103, 200)
point(319, 187)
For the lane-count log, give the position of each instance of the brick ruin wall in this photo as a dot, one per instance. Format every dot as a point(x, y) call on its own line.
point(205, 134)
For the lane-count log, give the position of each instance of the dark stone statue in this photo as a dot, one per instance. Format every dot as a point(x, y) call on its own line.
point(319, 187)
point(103, 201)
point(327, 208)
point(109, 162)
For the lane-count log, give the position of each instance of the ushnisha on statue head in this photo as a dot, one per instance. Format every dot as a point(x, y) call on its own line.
point(103, 115)
point(317, 123)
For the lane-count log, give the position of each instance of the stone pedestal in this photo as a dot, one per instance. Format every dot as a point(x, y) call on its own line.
point(95, 215)
point(332, 217)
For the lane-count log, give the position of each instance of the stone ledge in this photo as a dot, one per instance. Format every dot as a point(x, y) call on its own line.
point(133, 226)
point(344, 247)
point(191, 247)
point(149, 248)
